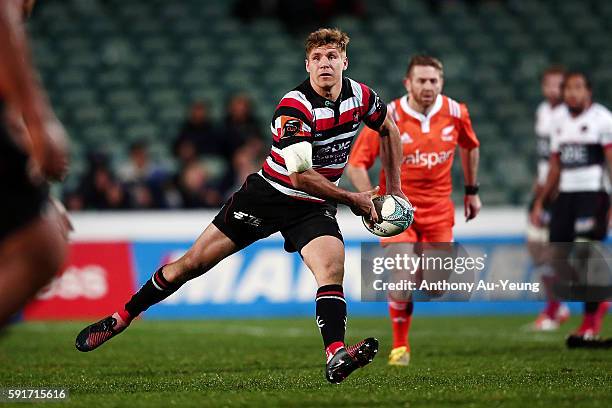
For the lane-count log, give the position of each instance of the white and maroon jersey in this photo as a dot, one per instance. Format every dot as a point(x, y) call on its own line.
point(330, 126)
point(543, 127)
point(580, 142)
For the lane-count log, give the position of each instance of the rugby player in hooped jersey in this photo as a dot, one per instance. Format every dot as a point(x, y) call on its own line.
point(580, 152)
point(296, 193)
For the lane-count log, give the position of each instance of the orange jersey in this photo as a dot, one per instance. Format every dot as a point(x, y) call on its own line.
point(428, 142)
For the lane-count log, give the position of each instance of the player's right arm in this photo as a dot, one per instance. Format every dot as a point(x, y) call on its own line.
point(45, 137)
point(316, 185)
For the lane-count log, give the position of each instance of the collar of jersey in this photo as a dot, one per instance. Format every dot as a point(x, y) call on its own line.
point(418, 115)
point(322, 102)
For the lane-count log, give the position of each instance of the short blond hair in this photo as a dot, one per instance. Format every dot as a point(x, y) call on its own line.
point(327, 36)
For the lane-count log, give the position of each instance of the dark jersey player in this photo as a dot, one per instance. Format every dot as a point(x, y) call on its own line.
point(580, 152)
point(32, 149)
point(295, 193)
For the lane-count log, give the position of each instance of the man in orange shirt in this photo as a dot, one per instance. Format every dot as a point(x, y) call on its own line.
point(431, 126)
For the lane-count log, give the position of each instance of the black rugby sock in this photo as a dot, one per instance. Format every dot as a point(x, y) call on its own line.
point(153, 291)
point(331, 316)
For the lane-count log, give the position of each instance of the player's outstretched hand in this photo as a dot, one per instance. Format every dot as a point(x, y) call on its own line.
point(471, 206)
point(362, 204)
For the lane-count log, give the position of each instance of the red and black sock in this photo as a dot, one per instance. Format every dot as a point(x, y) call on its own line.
point(331, 317)
point(153, 291)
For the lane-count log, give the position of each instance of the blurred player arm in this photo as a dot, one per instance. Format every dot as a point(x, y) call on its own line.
point(552, 181)
point(469, 149)
point(23, 93)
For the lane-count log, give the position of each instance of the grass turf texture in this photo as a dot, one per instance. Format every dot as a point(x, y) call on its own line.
point(459, 361)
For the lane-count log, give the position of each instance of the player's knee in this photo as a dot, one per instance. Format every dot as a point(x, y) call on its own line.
point(331, 273)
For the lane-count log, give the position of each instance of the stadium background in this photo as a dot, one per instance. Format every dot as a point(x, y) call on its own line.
point(125, 73)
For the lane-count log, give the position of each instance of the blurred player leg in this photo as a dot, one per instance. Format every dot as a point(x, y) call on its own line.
point(28, 259)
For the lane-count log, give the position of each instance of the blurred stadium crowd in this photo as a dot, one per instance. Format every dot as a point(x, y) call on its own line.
point(123, 77)
point(211, 160)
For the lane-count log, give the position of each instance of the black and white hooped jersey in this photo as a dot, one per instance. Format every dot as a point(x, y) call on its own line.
point(330, 126)
point(543, 128)
point(580, 142)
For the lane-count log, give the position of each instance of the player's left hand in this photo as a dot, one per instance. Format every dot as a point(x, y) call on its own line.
point(471, 205)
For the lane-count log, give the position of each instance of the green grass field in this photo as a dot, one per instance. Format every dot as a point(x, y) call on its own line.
point(476, 361)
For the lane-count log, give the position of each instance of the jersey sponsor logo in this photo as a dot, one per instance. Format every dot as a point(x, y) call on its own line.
point(428, 159)
point(405, 138)
point(578, 154)
point(574, 154)
point(333, 153)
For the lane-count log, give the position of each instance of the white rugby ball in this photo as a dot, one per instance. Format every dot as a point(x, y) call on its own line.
point(395, 215)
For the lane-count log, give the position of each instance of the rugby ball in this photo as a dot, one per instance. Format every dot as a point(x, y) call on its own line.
point(395, 215)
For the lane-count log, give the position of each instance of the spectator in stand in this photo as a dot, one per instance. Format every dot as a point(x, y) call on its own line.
point(242, 131)
point(99, 189)
point(246, 160)
point(195, 187)
point(144, 180)
point(240, 123)
point(199, 131)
